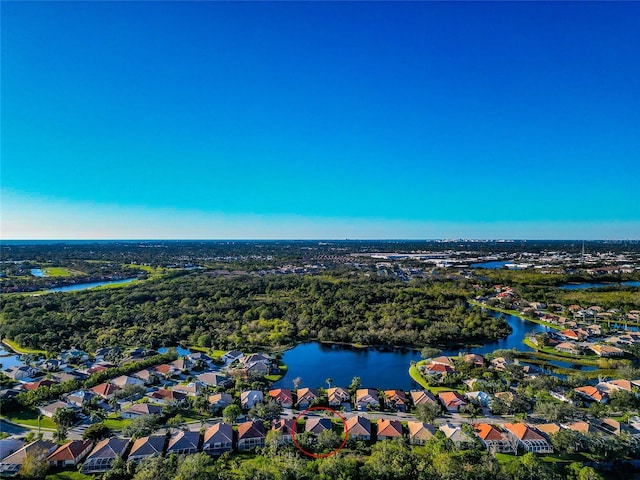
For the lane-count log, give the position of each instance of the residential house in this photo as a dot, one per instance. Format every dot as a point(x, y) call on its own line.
point(282, 396)
point(528, 438)
point(141, 409)
point(459, 438)
point(256, 369)
point(181, 365)
point(606, 351)
point(49, 410)
point(452, 401)
point(359, 428)
point(199, 358)
point(218, 401)
point(494, 438)
point(125, 380)
point(438, 369)
point(306, 396)
point(165, 370)
point(218, 439)
point(105, 390)
point(619, 384)
point(213, 379)
point(167, 397)
point(41, 383)
point(249, 398)
point(548, 429)
point(367, 398)
point(10, 445)
point(250, 435)
point(148, 376)
point(480, 398)
point(474, 359)
point(191, 389)
point(338, 396)
point(397, 399)
point(317, 425)
point(420, 432)
point(70, 454)
point(500, 363)
point(20, 372)
point(11, 464)
point(389, 429)
point(581, 427)
point(286, 427)
point(422, 396)
point(592, 394)
point(80, 398)
point(103, 455)
point(184, 443)
point(232, 356)
point(568, 347)
point(443, 360)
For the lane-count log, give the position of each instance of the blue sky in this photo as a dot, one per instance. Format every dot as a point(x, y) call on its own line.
point(320, 120)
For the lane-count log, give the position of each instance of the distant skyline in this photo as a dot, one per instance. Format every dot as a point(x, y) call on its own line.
point(325, 120)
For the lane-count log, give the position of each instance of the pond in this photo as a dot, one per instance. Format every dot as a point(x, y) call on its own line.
point(38, 272)
point(584, 286)
point(85, 286)
point(490, 265)
point(8, 358)
point(379, 367)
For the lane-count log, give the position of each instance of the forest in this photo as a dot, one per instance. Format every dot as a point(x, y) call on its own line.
point(251, 311)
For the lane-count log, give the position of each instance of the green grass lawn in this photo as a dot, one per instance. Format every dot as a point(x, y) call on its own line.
point(60, 272)
point(68, 475)
point(18, 349)
point(116, 422)
point(283, 371)
point(29, 417)
point(516, 314)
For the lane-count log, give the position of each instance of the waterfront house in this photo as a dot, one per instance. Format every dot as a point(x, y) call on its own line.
point(306, 396)
point(452, 401)
point(438, 369)
point(338, 396)
point(286, 427)
point(592, 394)
point(250, 435)
point(568, 347)
point(359, 428)
point(282, 396)
point(11, 464)
point(21, 372)
point(232, 356)
point(367, 398)
point(528, 438)
point(443, 360)
point(250, 398)
point(184, 443)
point(422, 396)
point(500, 363)
point(10, 445)
point(396, 399)
point(494, 439)
point(420, 432)
point(474, 359)
point(103, 455)
point(218, 439)
point(141, 409)
point(145, 447)
point(606, 351)
point(389, 429)
point(316, 425)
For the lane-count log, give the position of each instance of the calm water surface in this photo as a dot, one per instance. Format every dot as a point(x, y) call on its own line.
point(84, 286)
point(584, 286)
point(378, 367)
point(37, 272)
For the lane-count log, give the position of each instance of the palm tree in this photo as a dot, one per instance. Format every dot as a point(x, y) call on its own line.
point(329, 381)
point(296, 383)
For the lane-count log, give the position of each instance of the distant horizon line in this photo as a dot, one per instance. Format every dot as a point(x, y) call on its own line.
point(444, 240)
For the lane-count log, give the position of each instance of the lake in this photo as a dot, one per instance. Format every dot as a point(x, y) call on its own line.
point(85, 286)
point(37, 272)
point(490, 265)
point(584, 286)
point(379, 367)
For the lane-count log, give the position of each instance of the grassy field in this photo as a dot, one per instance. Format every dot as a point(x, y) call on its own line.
point(516, 314)
point(68, 475)
point(283, 371)
point(116, 422)
point(61, 272)
point(29, 417)
point(22, 351)
point(417, 377)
